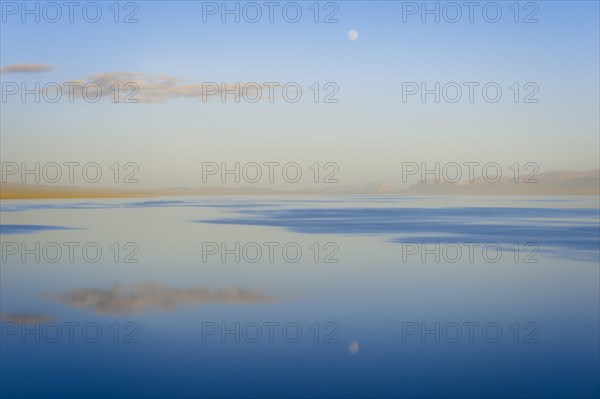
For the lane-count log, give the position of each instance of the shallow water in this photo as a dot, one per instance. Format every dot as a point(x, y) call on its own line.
point(354, 296)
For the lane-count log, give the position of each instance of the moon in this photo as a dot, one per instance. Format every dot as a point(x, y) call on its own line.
point(353, 34)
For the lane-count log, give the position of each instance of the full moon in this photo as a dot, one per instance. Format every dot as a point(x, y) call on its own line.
point(353, 34)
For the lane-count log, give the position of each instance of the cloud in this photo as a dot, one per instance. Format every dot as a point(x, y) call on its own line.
point(140, 87)
point(26, 68)
point(137, 87)
point(119, 299)
point(25, 318)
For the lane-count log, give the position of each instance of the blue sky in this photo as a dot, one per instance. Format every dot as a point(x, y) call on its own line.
point(369, 132)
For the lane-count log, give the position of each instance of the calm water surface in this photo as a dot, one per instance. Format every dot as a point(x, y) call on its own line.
point(358, 296)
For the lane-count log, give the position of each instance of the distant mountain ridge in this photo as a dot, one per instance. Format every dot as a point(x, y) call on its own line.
point(560, 182)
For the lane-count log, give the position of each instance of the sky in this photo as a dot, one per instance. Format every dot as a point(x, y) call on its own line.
point(175, 51)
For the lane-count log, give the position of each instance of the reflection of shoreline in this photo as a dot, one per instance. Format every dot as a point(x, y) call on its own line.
point(26, 318)
point(550, 183)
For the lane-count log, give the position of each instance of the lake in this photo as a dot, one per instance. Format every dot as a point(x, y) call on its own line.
point(308, 296)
